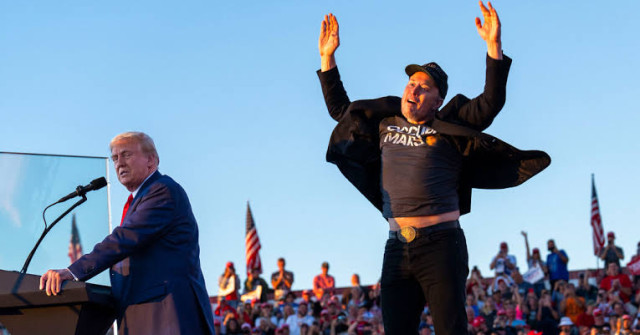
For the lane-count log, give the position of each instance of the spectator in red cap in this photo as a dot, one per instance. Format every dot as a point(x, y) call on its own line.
point(535, 261)
point(598, 320)
point(501, 319)
point(611, 253)
point(229, 284)
point(479, 325)
point(503, 263)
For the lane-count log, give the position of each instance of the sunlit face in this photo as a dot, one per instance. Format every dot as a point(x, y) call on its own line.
point(421, 99)
point(132, 165)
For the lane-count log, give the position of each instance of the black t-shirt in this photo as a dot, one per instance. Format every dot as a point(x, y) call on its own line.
point(420, 169)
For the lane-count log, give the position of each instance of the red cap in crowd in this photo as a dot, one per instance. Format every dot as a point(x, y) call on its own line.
point(478, 321)
point(503, 245)
point(502, 312)
point(536, 250)
point(597, 312)
point(230, 265)
point(611, 234)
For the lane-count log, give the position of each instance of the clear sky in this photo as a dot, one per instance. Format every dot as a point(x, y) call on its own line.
point(228, 92)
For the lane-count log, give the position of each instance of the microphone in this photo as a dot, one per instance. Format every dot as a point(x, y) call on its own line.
point(80, 191)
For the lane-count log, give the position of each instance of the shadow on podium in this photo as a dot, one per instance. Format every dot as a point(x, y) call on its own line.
point(80, 308)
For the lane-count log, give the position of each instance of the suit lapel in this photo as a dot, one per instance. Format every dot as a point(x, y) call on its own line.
point(143, 191)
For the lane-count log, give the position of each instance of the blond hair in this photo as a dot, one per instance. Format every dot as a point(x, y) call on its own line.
point(145, 141)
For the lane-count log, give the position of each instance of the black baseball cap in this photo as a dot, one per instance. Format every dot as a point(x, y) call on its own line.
point(434, 71)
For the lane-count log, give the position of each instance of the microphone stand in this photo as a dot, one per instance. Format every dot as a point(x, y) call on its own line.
point(48, 228)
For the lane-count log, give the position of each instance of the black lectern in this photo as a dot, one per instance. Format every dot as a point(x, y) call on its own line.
point(79, 309)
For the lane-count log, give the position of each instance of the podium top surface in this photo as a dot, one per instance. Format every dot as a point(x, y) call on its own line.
point(22, 291)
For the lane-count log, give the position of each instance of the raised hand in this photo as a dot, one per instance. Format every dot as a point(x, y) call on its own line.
point(329, 41)
point(490, 31)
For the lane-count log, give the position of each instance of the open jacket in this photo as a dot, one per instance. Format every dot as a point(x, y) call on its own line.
point(488, 163)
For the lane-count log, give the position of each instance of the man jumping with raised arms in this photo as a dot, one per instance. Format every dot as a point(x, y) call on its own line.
point(417, 164)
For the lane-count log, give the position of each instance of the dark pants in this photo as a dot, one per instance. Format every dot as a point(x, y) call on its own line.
point(432, 268)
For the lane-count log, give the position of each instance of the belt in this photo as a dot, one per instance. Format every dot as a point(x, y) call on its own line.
point(408, 234)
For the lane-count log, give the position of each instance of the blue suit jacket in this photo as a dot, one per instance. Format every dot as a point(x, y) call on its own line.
point(155, 275)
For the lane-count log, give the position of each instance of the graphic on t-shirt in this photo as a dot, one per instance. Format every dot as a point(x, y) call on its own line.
point(410, 136)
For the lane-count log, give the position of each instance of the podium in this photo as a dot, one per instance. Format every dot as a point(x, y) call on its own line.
point(78, 309)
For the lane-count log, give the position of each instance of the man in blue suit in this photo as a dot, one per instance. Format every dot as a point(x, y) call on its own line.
point(154, 254)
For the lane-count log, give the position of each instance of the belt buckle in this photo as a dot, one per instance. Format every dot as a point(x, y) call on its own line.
point(407, 234)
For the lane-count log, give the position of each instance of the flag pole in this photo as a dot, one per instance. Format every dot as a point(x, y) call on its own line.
point(596, 223)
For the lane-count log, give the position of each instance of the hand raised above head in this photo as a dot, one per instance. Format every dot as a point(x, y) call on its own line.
point(329, 39)
point(328, 42)
point(490, 31)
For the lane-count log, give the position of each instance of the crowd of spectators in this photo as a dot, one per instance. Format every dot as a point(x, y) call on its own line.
point(540, 299)
point(319, 311)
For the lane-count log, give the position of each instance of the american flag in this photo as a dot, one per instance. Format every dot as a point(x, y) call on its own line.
point(252, 242)
point(75, 248)
point(596, 220)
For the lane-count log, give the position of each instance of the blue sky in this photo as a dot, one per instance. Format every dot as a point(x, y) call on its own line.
point(228, 92)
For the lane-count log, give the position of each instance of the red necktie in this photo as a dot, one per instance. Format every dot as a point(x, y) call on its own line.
point(126, 208)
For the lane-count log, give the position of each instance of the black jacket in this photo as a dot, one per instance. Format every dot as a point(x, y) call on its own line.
point(488, 163)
